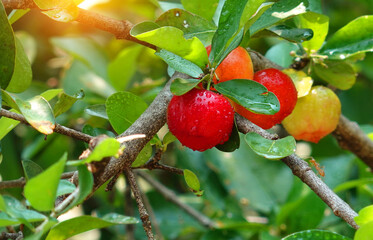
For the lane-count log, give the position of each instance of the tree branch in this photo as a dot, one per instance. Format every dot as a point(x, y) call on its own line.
point(172, 197)
point(140, 205)
point(58, 128)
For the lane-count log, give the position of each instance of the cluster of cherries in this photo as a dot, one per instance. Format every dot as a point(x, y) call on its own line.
point(202, 119)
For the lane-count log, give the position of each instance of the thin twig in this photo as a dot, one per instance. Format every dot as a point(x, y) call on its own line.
point(58, 128)
point(129, 211)
point(14, 236)
point(20, 182)
point(140, 204)
point(302, 170)
point(172, 197)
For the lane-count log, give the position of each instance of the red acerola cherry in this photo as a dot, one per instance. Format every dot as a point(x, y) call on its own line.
point(200, 119)
point(283, 87)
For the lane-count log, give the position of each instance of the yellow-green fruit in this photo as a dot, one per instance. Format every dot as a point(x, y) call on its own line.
point(315, 115)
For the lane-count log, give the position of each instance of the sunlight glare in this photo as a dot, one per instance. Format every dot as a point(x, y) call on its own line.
point(90, 3)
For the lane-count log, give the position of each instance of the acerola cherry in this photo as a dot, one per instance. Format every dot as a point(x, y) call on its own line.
point(237, 65)
point(283, 87)
point(315, 115)
point(200, 119)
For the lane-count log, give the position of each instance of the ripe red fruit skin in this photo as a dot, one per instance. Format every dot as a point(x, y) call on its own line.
point(283, 87)
point(200, 119)
point(237, 65)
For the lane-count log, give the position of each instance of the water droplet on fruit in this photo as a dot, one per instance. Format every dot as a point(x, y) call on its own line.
point(193, 129)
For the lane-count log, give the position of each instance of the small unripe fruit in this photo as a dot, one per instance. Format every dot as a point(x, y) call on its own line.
point(315, 115)
point(237, 65)
point(283, 87)
point(200, 119)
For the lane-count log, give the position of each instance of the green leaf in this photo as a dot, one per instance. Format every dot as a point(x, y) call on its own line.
point(143, 156)
point(271, 149)
point(179, 64)
point(291, 34)
point(279, 11)
point(66, 101)
point(98, 110)
point(42, 229)
point(192, 181)
point(250, 94)
point(233, 142)
point(168, 138)
point(280, 53)
point(31, 169)
point(74, 226)
point(123, 67)
point(87, 51)
point(66, 14)
point(180, 86)
point(16, 14)
point(2, 204)
point(251, 10)
point(123, 108)
point(353, 38)
point(340, 74)
point(365, 232)
point(29, 44)
point(65, 187)
point(22, 75)
point(51, 93)
point(172, 39)
point(41, 190)
point(52, 4)
point(319, 24)
point(365, 216)
point(106, 148)
point(192, 25)
point(315, 234)
point(38, 113)
point(353, 184)
point(205, 9)
point(229, 34)
point(5, 220)
point(16, 210)
point(7, 49)
point(84, 187)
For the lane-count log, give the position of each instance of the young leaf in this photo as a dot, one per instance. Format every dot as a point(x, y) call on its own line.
point(31, 169)
point(229, 34)
point(123, 108)
point(192, 25)
point(7, 49)
point(302, 82)
point(66, 101)
point(180, 86)
point(41, 190)
point(65, 14)
point(271, 149)
point(315, 234)
point(192, 181)
point(365, 232)
point(106, 148)
point(340, 74)
point(365, 216)
point(22, 75)
point(279, 11)
point(123, 67)
point(74, 226)
point(179, 64)
point(38, 113)
point(353, 38)
point(319, 24)
point(168, 138)
point(16, 14)
point(233, 142)
point(250, 94)
point(172, 40)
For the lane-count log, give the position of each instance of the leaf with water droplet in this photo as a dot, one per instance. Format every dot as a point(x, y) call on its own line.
point(271, 149)
point(180, 86)
point(291, 34)
point(250, 94)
